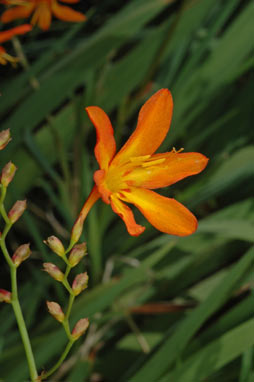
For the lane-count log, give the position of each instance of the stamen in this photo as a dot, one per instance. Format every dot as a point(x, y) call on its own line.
point(153, 162)
point(139, 159)
point(177, 151)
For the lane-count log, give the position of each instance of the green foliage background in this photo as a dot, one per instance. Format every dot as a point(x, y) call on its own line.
point(202, 50)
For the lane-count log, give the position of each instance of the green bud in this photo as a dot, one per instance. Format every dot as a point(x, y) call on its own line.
point(5, 138)
point(8, 173)
point(17, 210)
point(77, 253)
point(77, 229)
point(53, 271)
point(21, 254)
point(55, 310)
point(80, 328)
point(80, 283)
point(55, 245)
point(5, 296)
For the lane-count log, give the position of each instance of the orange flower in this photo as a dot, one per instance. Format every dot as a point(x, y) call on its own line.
point(129, 175)
point(7, 35)
point(42, 11)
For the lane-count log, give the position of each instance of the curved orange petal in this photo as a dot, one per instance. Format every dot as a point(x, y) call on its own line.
point(20, 12)
point(153, 124)
point(105, 146)
point(165, 214)
point(44, 19)
point(174, 167)
point(66, 13)
point(7, 35)
point(42, 16)
point(127, 216)
point(70, 1)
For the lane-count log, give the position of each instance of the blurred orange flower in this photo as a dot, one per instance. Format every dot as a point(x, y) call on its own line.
point(7, 35)
point(42, 11)
point(129, 175)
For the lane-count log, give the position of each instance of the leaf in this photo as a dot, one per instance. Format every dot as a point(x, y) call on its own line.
point(171, 349)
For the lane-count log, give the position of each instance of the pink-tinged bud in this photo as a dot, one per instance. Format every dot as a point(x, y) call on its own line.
point(5, 296)
point(53, 271)
point(80, 283)
point(21, 254)
point(80, 328)
point(77, 229)
point(77, 253)
point(55, 310)
point(17, 210)
point(5, 137)
point(8, 173)
point(55, 245)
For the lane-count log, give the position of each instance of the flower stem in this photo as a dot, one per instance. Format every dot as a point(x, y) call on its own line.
point(14, 289)
point(24, 62)
point(92, 198)
point(22, 326)
point(60, 361)
point(71, 301)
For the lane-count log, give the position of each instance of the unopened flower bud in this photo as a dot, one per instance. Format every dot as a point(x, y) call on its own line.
point(80, 328)
point(55, 245)
point(8, 173)
point(77, 253)
point(21, 254)
point(17, 210)
point(53, 271)
point(80, 283)
point(55, 310)
point(5, 296)
point(5, 138)
point(77, 229)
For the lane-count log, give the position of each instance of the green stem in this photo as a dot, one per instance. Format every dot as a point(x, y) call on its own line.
point(60, 361)
point(3, 245)
point(14, 299)
point(71, 301)
point(22, 326)
point(65, 281)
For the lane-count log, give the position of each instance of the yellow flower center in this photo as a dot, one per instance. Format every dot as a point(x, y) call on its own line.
point(117, 179)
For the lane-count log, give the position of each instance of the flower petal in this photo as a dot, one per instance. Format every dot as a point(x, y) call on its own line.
point(165, 214)
point(105, 146)
point(153, 124)
point(7, 35)
point(172, 168)
point(66, 13)
point(42, 16)
point(20, 12)
point(127, 216)
point(70, 1)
